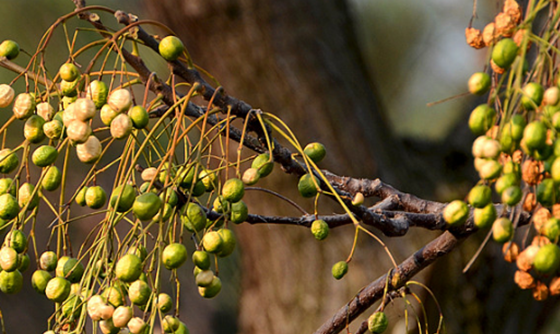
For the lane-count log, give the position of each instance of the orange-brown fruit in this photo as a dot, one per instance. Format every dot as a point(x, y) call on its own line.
point(524, 280)
point(554, 286)
point(531, 172)
point(540, 217)
point(497, 68)
point(505, 24)
point(512, 8)
point(489, 35)
point(530, 202)
point(510, 251)
point(540, 291)
point(474, 38)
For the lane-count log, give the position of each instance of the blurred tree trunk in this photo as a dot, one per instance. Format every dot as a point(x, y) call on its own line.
point(301, 61)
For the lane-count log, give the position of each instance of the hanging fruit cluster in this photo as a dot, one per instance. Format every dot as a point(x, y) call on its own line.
point(517, 151)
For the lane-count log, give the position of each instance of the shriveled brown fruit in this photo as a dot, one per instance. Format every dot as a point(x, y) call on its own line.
point(531, 172)
point(504, 24)
point(525, 259)
point(540, 241)
point(510, 251)
point(554, 286)
point(530, 202)
point(512, 8)
point(474, 38)
point(540, 291)
point(489, 35)
point(524, 280)
point(497, 68)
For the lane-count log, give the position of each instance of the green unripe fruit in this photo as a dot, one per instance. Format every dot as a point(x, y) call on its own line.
point(174, 255)
point(505, 181)
point(71, 269)
point(52, 179)
point(212, 242)
point(239, 212)
point(502, 230)
point(171, 48)
point(69, 72)
point(24, 261)
point(456, 213)
point(307, 187)
point(164, 302)
point(139, 117)
point(53, 129)
point(97, 92)
point(33, 129)
point(8, 161)
point(194, 218)
point(512, 195)
point(482, 118)
point(339, 269)
point(532, 96)
point(69, 88)
point(201, 259)
point(233, 190)
point(534, 135)
point(7, 186)
point(44, 155)
point(139, 292)
point(204, 278)
point(208, 178)
point(107, 114)
point(81, 196)
point(9, 207)
point(211, 290)
point(546, 192)
point(504, 53)
point(170, 324)
point(547, 259)
point(315, 151)
point(11, 282)
point(320, 229)
point(39, 280)
point(263, 164)
point(480, 196)
point(9, 49)
point(123, 197)
point(128, 268)
point(17, 240)
point(48, 261)
point(484, 217)
point(58, 289)
point(377, 322)
point(26, 196)
point(551, 229)
point(96, 197)
point(479, 83)
point(146, 206)
point(228, 242)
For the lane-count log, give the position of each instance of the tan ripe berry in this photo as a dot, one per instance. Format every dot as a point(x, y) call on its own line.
point(556, 211)
point(78, 131)
point(524, 280)
point(120, 100)
point(489, 35)
point(68, 115)
point(89, 151)
point(24, 106)
point(474, 38)
point(505, 25)
point(121, 126)
point(45, 110)
point(84, 109)
point(6, 95)
point(519, 36)
point(149, 174)
point(551, 96)
point(540, 291)
point(510, 251)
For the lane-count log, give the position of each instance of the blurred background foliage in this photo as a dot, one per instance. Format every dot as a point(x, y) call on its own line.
point(415, 54)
